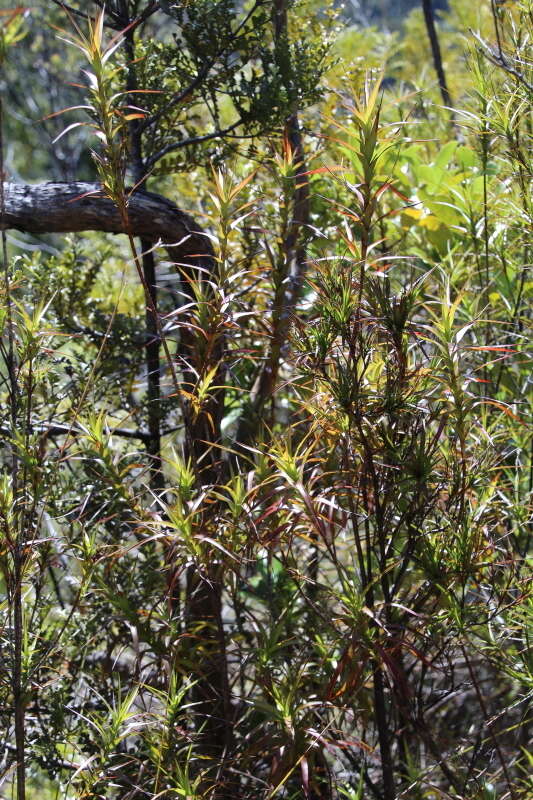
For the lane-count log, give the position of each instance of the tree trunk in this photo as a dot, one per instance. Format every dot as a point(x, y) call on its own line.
point(293, 248)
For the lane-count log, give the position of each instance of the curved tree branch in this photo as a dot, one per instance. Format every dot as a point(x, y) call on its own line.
point(74, 207)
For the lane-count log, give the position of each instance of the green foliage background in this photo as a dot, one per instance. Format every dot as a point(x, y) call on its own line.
point(364, 537)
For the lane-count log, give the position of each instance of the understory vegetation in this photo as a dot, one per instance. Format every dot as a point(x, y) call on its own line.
point(265, 505)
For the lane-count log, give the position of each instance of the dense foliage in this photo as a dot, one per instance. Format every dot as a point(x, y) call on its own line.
point(265, 512)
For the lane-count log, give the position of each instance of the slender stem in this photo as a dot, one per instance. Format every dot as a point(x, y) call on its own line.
point(152, 309)
point(153, 366)
point(429, 17)
point(153, 363)
point(18, 549)
point(485, 713)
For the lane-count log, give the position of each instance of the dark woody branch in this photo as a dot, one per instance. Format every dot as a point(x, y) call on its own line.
point(49, 430)
point(75, 207)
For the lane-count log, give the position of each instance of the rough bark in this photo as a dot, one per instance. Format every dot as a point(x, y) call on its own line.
point(74, 207)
